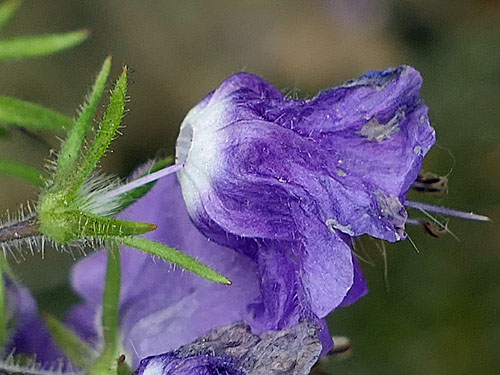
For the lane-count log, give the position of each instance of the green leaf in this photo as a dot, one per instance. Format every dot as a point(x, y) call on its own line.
point(132, 196)
point(107, 362)
point(106, 133)
point(18, 112)
point(71, 345)
point(3, 132)
point(72, 147)
point(36, 46)
point(15, 169)
point(7, 10)
point(175, 256)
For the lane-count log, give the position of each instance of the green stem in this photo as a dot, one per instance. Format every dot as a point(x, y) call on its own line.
point(107, 362)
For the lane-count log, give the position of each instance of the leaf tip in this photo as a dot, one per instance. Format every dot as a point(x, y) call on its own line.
point(85, 33)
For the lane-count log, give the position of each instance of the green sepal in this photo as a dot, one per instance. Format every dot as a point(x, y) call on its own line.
point(71, 150)
point(70, 344)
point(37, 46)
point(67, 226)
point(7, 10)
point(29, 115)
point(132, 196)
point(108, 128)
point(101, 227)
point(176, 257)
point(19, 170)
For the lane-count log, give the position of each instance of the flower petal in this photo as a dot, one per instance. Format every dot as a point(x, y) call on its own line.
point(29, 336)
point(350, 154)
point(358, 288)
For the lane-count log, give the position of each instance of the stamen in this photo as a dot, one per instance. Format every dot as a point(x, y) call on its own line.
point(413, 244)
point(356, 254)
point(383, 252)
point(445, 211)
point(141, 181)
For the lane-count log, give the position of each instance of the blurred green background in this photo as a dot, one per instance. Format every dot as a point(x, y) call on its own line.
point(441, 311)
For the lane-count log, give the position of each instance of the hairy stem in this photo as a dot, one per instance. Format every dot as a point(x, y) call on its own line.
point(18, 230)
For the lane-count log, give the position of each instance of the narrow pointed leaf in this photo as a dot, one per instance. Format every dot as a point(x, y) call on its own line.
point(73, 145)
point(132, 196)
point(29, 115)
point(107, 362)
point(36, 46)
point(7, 10)
point(106, 133)
point(70, 344)
point(176, 257)
point(19, 170)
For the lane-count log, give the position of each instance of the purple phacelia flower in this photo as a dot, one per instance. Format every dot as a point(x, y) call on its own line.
point(289, 182)
point(235, 350)
point(27, 333)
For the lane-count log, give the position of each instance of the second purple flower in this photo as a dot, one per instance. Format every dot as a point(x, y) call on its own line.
point(288, 182)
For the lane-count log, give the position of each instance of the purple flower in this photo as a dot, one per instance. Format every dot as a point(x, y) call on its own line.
point(288, 182)
point(29, 335)
point(235, 350)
